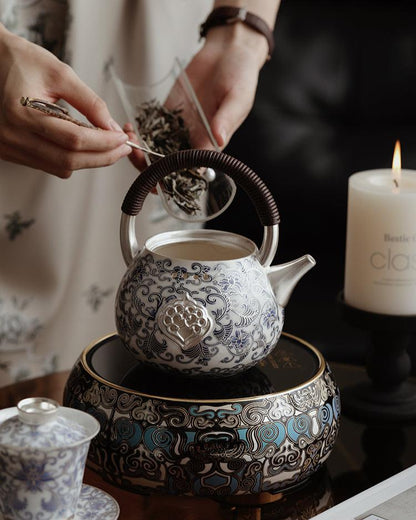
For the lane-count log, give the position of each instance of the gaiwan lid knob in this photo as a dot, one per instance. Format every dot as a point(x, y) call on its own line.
point(41, 423)
point(37, 410)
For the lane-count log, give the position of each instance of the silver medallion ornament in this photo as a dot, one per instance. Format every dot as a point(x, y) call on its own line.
point(184, 321)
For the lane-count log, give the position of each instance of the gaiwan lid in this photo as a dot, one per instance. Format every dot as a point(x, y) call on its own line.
point(41, 423)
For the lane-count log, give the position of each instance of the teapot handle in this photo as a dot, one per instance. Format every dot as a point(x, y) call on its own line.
point(255, 188)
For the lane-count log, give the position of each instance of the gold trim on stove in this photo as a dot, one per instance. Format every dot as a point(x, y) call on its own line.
point(97, 377)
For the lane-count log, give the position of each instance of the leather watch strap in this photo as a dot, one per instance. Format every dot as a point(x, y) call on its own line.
point(226, 15)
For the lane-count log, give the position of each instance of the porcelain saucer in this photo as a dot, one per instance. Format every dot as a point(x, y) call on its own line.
point(94, 503)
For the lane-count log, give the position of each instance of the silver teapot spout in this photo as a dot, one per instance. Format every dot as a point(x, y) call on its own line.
point(284, 277)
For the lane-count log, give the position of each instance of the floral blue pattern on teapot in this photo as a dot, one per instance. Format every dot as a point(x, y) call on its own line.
point(203, 302)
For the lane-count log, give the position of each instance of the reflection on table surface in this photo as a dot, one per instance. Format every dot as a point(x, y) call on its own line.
point(302, 503)
point(363, 456)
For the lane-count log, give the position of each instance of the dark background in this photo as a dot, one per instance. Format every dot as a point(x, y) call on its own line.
point(338, 92)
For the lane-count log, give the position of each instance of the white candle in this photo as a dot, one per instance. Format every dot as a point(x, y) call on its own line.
point(380, 264)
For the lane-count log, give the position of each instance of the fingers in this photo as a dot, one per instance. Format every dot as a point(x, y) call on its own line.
point(33, 151)
point(224, 74)
point(59, 147)
point(137, 157)
point(85, 100)
point(70, 136)
point(200, 139)
point(64, 134)
point(231, 113)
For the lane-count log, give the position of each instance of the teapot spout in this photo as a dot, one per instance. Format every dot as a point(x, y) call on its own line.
point(284, 277)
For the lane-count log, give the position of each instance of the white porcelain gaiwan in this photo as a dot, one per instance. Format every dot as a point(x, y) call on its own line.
point(203, 302)
point(43, 450)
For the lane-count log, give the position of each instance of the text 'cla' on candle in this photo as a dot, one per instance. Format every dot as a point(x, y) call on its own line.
point(380, 259)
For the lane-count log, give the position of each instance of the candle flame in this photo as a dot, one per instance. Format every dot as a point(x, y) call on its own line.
point(397, 157)
point(397, 166)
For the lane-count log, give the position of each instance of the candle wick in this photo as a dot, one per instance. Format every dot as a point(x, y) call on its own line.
point(396, 183)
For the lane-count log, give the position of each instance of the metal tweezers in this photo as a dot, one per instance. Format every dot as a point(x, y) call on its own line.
point(52, 109)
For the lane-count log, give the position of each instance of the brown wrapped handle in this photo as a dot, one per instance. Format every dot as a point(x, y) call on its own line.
point(246, 178)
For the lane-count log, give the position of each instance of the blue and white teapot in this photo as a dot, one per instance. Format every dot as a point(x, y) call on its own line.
point(203, 302)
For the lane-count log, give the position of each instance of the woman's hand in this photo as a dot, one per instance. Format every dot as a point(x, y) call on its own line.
point(224, 75)
point(31, 138)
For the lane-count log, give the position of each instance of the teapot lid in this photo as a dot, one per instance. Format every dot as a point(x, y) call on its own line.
point(41, 423)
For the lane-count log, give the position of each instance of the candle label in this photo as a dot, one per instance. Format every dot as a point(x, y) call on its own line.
point(393, 259)
point(382, 273)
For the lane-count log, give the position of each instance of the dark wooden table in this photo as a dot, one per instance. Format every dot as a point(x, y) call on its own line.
point(363, 456)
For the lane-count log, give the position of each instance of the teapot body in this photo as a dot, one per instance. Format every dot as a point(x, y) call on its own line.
point(198, 302)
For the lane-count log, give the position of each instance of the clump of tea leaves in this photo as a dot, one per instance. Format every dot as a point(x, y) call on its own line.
point(164, 131)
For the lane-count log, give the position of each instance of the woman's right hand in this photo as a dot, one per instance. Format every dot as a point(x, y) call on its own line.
point(46, 143)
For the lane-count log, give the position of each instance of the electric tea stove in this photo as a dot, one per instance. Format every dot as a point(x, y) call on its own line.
point(265, 430)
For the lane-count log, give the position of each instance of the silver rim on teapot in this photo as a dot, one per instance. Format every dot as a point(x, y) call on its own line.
point(255, 188)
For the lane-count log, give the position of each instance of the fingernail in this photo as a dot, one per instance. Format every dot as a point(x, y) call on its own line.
point(126, 150)
point(115, 126)
point(223, 135)
point(122, 138)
